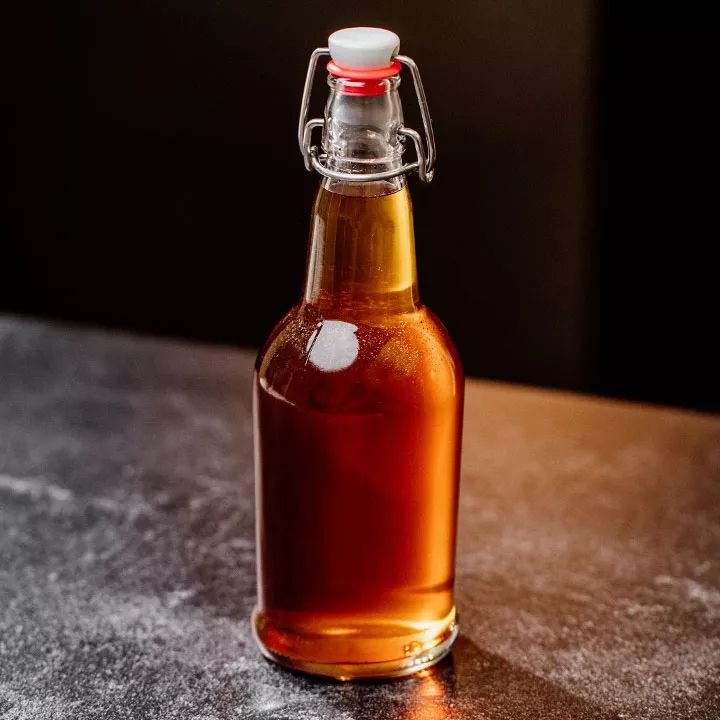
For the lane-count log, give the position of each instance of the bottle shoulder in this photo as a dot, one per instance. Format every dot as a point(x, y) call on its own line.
point(359, 363)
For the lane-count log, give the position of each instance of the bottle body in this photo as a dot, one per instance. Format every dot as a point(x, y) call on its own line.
point(358, 410)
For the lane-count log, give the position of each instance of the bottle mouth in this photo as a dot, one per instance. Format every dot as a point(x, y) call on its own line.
point(364, 81)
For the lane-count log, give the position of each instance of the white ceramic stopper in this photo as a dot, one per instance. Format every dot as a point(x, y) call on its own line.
point(363, 48)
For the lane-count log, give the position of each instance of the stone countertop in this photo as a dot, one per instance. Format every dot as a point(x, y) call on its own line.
point(588, 565)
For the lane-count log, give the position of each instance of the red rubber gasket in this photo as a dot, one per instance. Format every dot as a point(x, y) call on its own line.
point(364, 82)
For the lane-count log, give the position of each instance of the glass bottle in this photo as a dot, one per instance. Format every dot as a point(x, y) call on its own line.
point(358, 397)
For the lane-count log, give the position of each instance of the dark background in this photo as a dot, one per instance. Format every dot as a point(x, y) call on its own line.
point(566, 240)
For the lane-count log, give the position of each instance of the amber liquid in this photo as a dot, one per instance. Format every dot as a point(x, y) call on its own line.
point(358, 406)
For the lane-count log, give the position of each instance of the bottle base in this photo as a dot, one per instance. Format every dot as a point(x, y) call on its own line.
point(420, 650)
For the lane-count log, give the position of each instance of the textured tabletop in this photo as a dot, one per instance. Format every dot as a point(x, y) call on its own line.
point(588, 569)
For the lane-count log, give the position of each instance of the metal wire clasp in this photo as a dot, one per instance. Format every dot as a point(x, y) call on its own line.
point(314, 160)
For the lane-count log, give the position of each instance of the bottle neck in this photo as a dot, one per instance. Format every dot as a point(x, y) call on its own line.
point(360, 133)
point(361, 252)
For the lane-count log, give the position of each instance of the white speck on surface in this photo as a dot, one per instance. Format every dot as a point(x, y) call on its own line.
point(36, 488)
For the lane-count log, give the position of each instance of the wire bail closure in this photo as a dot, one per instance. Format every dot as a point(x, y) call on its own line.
point(315, 160)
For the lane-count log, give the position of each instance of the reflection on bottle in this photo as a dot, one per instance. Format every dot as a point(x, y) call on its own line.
point(333, 346)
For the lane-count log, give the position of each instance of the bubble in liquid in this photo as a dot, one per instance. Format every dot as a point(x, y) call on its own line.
point(412, 648)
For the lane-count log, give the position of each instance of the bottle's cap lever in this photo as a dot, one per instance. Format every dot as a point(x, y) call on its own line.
point(363, 48)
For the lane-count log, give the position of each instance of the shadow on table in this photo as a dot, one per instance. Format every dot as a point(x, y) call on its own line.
point(470, 683)
point(500, 689)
